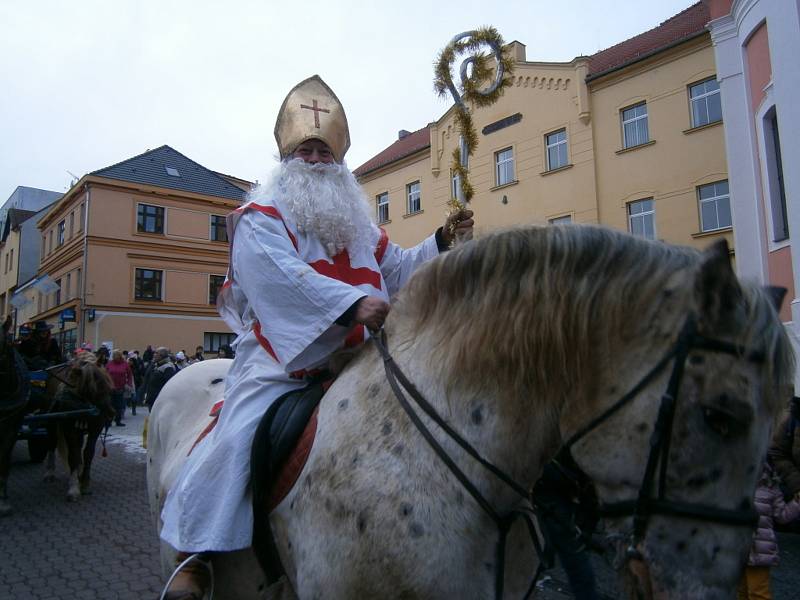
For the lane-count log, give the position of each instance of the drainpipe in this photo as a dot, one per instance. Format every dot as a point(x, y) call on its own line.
point(85, 274)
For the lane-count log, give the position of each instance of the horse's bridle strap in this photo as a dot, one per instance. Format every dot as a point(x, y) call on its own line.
point(646, 505)
point(396, 379)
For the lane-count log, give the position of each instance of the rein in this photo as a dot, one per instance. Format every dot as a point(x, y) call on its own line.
point(398, 381)
point(646, 505)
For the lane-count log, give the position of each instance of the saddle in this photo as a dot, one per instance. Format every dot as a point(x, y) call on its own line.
point(280, 449)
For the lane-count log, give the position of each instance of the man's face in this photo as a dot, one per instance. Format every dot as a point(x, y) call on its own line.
point(314, 151)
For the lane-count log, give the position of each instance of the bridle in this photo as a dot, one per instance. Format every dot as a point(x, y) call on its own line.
point(651, 502)
point(503, 519)
point(643, 507)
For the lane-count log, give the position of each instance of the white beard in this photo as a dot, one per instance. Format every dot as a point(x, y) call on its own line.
point(325, 201)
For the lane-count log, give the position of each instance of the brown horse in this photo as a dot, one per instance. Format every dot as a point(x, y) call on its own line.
point(82, 388)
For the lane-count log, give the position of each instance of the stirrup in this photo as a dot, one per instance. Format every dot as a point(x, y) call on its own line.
point(206, 563)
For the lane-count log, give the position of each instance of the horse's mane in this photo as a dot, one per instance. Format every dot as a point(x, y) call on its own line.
point(553, 294)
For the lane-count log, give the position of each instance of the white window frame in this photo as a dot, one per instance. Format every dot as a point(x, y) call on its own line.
point(715, 200)
point(562, 220)
point(642, 215)
point(61, 230)
point(635, 120)
point(548, 145)
point(382, 207)
point(703, 98)
point(501, 164)
point(413, 197)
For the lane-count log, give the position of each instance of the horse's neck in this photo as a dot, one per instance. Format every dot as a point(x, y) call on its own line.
point(509, 432)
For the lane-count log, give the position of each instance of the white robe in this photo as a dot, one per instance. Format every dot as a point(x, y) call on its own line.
point(284, 310)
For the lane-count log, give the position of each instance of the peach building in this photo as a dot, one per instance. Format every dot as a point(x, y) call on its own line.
point(756, 43)
point(137, 252)
point(630, 137)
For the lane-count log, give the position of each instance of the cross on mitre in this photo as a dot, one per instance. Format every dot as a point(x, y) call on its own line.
point(316, 110)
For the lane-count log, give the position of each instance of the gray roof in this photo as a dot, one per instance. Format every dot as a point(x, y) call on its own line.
point(168, 168)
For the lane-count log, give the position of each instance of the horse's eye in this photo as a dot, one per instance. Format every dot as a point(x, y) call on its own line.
point(722, 423)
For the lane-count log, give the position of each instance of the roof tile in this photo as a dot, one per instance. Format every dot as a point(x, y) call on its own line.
point(406, 146)
point(685, 24)
point(151, 168)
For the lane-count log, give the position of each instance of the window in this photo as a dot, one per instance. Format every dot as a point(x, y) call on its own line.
point(219, 232)
point(214, 285)
point(148, 284)
point(150, 219)
point(69, 341)
point(60, 235)
point(412, 193)
point(715, 206)
point(57, 293)
point(706, 104)
point(72, 223)
point(556, 149)
point(68, 289)
point(565, 220)
point(634, 126)
point(382, 202)
point(44, 243)
point(212, 341)
point(504, 166)
point(641, 218)
point(777, 188)
point(455, 183)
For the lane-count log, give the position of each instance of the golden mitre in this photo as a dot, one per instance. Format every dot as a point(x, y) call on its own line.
point(312, 110)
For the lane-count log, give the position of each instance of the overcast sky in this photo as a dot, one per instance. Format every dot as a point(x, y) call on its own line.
point(88, 83)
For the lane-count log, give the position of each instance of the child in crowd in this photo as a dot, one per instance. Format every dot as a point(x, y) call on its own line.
point(764, 552)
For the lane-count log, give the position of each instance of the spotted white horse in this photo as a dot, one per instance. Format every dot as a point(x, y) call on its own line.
point(523, 340)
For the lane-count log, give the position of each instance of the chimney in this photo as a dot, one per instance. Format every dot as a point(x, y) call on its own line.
point(402, 134)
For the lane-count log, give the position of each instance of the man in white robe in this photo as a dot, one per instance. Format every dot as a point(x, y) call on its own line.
point(309, 273)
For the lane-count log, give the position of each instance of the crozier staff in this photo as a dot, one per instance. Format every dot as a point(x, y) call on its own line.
point(309, 273)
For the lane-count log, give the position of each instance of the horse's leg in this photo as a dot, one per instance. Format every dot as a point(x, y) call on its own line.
point(88, 454)
point(50, 461)
point(73, 438)
point(9, 424)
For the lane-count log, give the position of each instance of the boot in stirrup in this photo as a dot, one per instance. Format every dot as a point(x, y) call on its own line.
point(191, 579)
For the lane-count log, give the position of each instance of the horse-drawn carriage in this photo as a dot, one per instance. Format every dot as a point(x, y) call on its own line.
point(69, 401)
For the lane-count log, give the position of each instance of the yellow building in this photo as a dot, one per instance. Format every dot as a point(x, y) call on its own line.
point(630, 137)
point(137, 252)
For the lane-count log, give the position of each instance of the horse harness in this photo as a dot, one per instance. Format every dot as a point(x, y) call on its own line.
point(525, 510)
point(646, 504)
point(643, 507)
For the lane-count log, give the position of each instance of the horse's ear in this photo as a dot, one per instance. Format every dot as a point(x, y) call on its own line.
point(776, 294)
point(717, 288)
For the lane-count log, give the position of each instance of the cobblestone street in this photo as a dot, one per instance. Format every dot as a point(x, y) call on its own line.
point(104, 545)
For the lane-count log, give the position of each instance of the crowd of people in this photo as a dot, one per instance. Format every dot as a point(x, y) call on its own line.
point(136, 378)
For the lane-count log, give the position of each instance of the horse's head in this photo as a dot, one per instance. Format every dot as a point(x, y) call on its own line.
point(709, 363)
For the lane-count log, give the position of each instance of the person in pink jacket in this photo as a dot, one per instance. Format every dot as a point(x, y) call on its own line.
point(764, 553)
point(122, 376)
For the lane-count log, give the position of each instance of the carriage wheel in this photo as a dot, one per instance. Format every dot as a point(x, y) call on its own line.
point(37, 450)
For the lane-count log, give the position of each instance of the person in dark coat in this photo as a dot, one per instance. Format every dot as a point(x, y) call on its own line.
point(37, 347)
point(160, 371)
point(784, 451)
